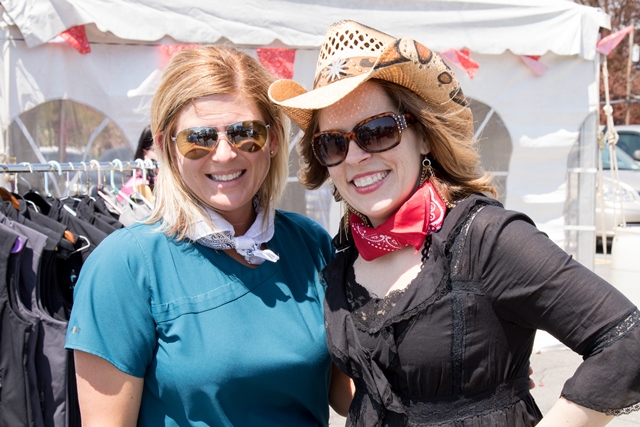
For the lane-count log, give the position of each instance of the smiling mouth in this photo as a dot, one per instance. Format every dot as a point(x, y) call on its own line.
point(370, 179)
point(225, 178)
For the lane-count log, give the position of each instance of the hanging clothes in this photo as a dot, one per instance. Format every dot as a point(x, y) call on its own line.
point(18, 396)
point(44, 242)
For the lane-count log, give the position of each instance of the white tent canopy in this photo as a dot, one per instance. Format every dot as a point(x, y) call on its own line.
point(488, 27)
point(541, 116)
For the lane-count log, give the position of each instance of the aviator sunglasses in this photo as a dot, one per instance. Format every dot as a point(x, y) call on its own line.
point(376, 134)
point(195, 143)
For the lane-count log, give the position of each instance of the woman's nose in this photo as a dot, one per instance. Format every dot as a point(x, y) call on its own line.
point(224, 150)
point(355, 154)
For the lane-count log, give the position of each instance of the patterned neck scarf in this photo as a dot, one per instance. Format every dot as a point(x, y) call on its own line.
point(418, 217)
point(247, 245)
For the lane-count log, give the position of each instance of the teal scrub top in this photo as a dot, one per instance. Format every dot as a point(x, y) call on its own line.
point(217, 343)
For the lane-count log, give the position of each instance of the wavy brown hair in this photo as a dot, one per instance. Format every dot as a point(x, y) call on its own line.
point(453, 152)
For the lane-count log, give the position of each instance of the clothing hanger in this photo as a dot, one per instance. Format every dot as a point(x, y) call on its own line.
point(68, 185)
point(57, 166)
point(27, 201)
point(27, 164)
point(86, 246)
point(98, 188)
point(107, 197)
point(137, 193)
point(96, 164)
point(114, 189)
point(86, 172)
point(8, 197)
point(39, 202)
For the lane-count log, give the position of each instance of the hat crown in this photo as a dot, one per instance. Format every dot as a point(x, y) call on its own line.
point(347, 39)
point(353, 53)
point(349, 45)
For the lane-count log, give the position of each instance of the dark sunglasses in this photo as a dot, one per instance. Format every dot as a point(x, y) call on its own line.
point(195, 143)
point(376, 134)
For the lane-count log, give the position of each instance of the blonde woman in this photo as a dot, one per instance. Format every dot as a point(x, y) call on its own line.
point(209, 313)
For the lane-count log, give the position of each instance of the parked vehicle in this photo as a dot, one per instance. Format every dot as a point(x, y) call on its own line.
point(611, 204)
point(630, 140)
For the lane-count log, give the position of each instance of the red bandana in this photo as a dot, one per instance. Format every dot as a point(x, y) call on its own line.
point(418, 217)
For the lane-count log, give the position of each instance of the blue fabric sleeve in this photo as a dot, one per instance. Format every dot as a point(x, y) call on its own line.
point(111, 316)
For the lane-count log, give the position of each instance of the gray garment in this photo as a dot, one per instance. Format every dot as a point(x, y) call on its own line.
point(18, 342)
point(50, 356)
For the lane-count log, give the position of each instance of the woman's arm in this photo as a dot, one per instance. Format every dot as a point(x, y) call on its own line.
point(107, 396)
point(341, 391)
point(567, 413)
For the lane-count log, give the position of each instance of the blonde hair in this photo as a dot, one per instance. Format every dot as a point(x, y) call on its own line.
point(453, 151)
point(193, 74)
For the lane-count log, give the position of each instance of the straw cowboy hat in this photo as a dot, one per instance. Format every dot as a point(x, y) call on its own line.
point(352, 54)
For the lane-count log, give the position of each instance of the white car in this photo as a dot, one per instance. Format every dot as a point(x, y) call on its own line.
point(612, 205)
point(629, 140)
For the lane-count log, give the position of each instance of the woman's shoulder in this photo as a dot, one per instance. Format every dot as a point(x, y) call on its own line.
point(300, 222)
point(297, 231)
point(480, 211)
point(140, 236)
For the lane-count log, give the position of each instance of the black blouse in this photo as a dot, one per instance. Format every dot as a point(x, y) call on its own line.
point(453, 347)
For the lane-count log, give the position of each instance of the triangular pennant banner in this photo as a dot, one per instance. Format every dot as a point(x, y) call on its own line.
point(278, 61)
point(77, 38)
point(168, 50)
point(462, 59)
point(534, 64)
point(607, 44)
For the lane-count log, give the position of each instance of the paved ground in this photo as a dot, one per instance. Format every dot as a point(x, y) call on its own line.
point(553, 364)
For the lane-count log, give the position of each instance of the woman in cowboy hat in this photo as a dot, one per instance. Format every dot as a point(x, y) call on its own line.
point(437, 291)
point(209, 313)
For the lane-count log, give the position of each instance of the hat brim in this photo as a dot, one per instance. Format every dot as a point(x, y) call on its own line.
point(299, 103)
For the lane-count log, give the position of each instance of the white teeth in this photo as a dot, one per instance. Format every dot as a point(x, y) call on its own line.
point(226, 177)
point(368, 180)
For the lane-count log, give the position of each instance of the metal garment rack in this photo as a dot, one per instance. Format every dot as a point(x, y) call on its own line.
point(53, 168)
point(93, 165)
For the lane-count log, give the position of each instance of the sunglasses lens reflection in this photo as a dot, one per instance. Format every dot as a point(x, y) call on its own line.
point(330, 148)
point(378, 134)
point(248, 136)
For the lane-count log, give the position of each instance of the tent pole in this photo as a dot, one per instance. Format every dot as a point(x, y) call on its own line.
point(629, 64)
point(6, 87)
point(4, 134)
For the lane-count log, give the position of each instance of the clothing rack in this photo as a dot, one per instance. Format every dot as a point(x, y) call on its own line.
point(93, 165)
point(45, 238)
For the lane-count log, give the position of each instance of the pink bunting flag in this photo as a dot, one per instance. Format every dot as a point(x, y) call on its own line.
point(607, 44)
point(533, 62)
point(168, 50)
point(462, 59)
point(77, 38)
point(278, 61)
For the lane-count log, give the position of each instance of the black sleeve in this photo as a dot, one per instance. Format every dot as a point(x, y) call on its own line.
point(534, 283)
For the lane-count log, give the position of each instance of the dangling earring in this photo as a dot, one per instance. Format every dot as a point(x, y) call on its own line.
point(364, 219)
point(427, 170)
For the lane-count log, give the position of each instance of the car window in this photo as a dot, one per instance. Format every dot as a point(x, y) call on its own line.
point(625, 161)
point(629, 141)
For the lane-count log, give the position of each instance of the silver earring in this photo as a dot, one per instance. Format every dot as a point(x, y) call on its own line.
point(271, 152)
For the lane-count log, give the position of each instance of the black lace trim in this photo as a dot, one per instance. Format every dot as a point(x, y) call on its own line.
point(369, 311)
point(462, 406)
point(623, 411)
point(616, 332)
